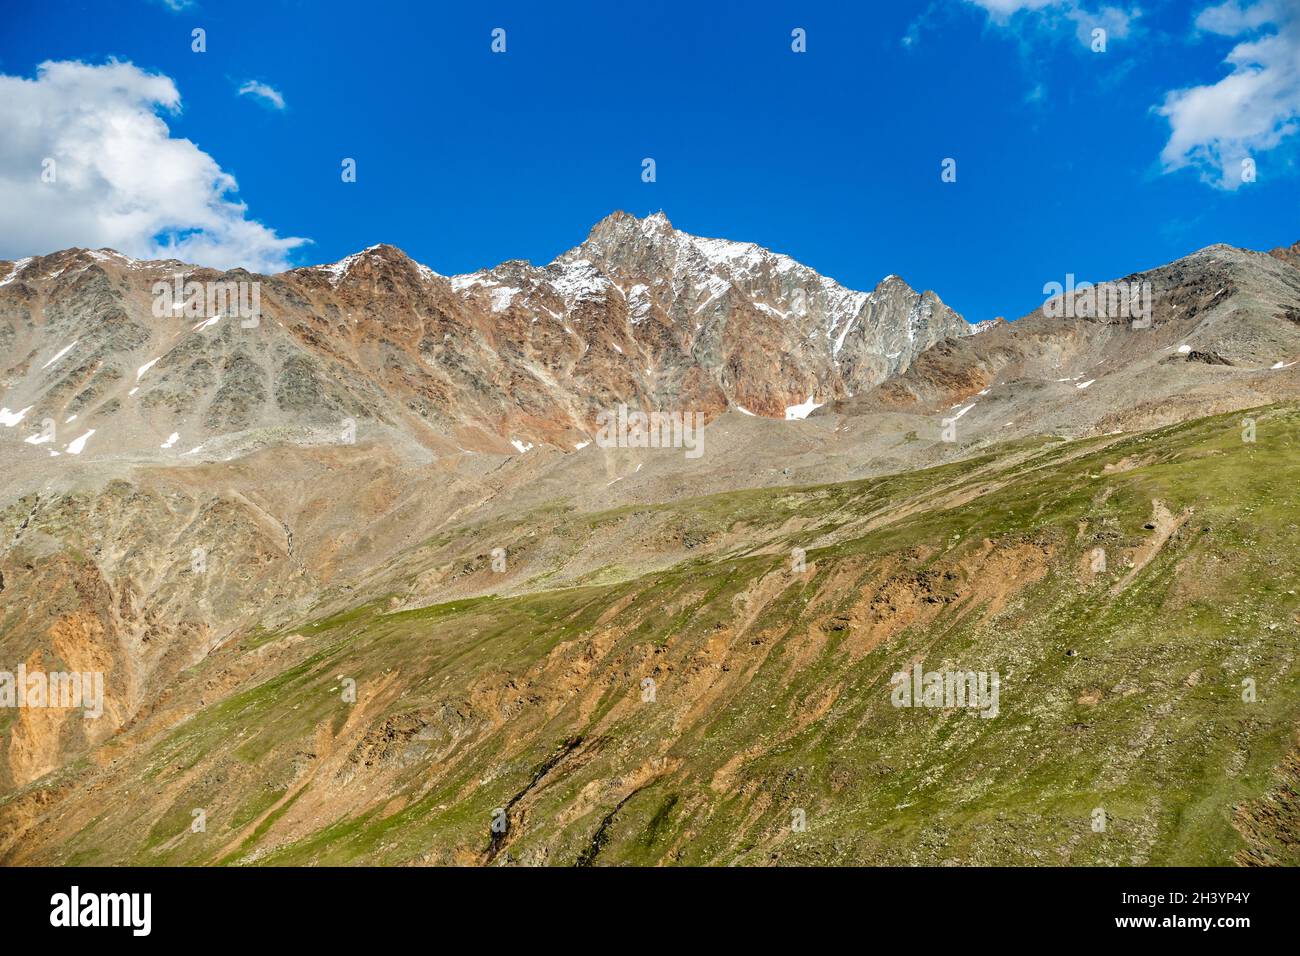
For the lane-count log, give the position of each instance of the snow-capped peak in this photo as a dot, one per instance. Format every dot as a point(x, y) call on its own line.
point(576, 280)
point(337, 270)
point(19, 266)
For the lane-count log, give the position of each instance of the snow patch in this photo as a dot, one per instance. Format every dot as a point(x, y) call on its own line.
point(62, 352)
point(638, 297)
point(839, 342)
point(339, 269)
point(77, 444)
point(9, 419)
point(502, 297)
point(172, 439)
point(13, 273)
point(578, 280)
point(802, 410)
point(716, 287)
point(108, 255)
point(461, 283)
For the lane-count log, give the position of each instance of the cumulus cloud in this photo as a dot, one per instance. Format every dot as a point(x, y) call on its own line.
point(1213, 128)
point(120, 179)
point(268, 95)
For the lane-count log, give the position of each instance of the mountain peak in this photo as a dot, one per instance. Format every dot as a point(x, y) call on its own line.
point(381, 255)
point(893, 280)
point(622, 226)
point(1288, 254)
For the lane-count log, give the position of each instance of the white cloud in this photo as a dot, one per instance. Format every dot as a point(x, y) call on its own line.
point(121, 179)
point(1230, 18)
point(1214, 127)
point(268, 94)
point(1114, 20)
point(1001, 10)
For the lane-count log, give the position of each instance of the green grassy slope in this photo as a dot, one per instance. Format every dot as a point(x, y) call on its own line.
point(1121, 691)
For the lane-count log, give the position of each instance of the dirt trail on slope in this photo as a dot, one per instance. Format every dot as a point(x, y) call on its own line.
point(1165, 524)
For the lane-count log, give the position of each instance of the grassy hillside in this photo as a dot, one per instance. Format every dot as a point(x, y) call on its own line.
point(1121, 688)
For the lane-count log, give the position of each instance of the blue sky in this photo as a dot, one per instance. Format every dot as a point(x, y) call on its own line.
point(466, 158)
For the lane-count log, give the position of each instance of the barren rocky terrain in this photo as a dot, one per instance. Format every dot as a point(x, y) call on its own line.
point(428, 602)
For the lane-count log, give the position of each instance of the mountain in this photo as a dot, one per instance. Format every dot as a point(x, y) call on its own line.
point(734, 306)
point(1222, 333)
point(511, 357)
point(388, 483)
point(696, 693)
point(1288, 254)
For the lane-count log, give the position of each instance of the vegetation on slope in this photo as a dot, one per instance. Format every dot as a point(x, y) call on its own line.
point(1126, 729)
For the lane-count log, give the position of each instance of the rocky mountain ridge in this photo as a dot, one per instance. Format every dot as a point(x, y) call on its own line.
point(501, 360)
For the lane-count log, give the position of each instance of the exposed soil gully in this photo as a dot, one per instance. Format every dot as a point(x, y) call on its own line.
point(498, 840)
point(601, 836)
